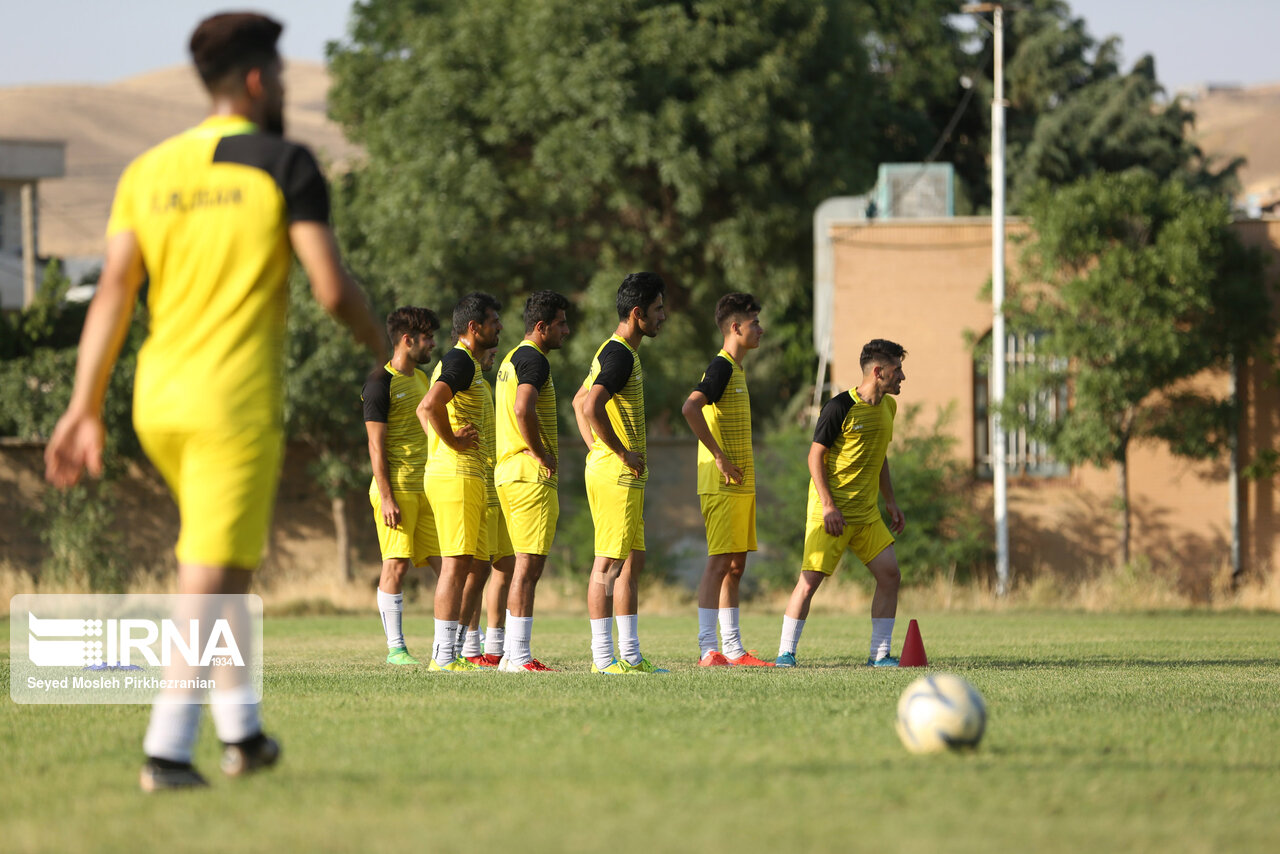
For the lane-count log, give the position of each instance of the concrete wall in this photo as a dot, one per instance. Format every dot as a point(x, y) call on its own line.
point(921, 284)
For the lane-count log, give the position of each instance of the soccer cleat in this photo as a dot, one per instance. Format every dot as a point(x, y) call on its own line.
point(645, 666)
point(887, 661)
point(615, 668)
point(749, 660)
point(400, 655)
point(458, 665)
point(162, 775)
point(785, 659)
point(485, 660)
point(714, 658)
point(531, 666)
point(250, 755)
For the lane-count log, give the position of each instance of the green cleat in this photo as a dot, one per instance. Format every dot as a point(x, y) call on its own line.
point(400, 655)
point(615, 668)
point(458, 665)
point(645, 666)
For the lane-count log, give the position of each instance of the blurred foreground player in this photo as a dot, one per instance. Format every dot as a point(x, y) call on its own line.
point(208, 218)
point(850, 469)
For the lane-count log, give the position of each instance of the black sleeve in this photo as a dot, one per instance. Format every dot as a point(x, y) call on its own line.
point(305, 192)
point(456, 369)
point(377, 396)
point(716, 379)
point(831, 420)
point(531, 367)
point(615, 367)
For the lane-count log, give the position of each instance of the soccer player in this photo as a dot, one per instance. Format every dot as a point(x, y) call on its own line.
point(398, 453)
point(526, 474)
point(719, 413)
point(849, 469)
point(209, 218)
point(609, 408)
point(456, 413)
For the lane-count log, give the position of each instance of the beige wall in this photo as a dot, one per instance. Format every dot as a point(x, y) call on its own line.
point(922, 284)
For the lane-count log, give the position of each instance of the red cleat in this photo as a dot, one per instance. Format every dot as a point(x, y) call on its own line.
point(748, 660)
point(484, 660)
point(715, 658)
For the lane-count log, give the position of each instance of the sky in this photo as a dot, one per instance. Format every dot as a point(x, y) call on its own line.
point(1193, 41)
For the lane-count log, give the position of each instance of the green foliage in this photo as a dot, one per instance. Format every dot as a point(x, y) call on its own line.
point(86, 551)
point(1146, 287)
point(944, 532)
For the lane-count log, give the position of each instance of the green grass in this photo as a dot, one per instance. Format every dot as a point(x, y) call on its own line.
point(1106, 733)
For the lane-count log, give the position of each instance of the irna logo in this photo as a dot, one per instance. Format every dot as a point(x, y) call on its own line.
point(61, 642)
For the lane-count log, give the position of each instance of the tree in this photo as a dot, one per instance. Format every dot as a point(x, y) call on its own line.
point(1135, 285)
point(563, 143)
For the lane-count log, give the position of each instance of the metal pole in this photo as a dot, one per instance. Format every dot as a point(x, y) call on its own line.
point(28, 194)
point(999, 469)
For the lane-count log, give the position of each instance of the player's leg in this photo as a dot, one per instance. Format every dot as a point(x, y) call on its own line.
point(822, 554)
point(458, 505)
point(884, 606)
point(730, 630)
point(225, 488)
point(600, 589)
point(497, 594)
point(526, 571)
point(531, 511)
point(468, 643)
point(709, 602)
point(397, 546)
point(627, 599)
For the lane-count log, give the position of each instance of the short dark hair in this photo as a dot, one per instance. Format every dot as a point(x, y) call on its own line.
point(232, 43)
point(731, 307)
point(411, 320)
point(639, 290)
point(542, 307)
point(474, 307)
point(882, 351)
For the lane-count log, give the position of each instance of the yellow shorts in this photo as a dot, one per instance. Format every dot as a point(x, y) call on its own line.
point(531, 510)
point(618, 514)
point(415, 537)
point(224, 483)
point(499, 539)
point(461, 510)
point(731, 522)
point(822, 551)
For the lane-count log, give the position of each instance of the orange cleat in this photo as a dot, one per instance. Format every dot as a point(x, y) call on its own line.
point(715, 658)
point(484, 660)
point(748, 660)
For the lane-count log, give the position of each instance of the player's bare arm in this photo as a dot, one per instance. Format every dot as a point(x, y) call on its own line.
point(832, 518)
point(434, 412)
point(897, 521)
point(692, 412)
point(377, 432)
point(76, 443)
point(526, 412)
point(598, 419)
point(580, 417)
point(333, 288)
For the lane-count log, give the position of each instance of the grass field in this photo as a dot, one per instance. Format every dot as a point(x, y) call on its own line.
point(1147, 732)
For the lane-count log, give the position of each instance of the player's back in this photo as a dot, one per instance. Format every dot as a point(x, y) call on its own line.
point(210, 209)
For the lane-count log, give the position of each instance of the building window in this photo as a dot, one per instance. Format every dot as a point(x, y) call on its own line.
point(1024, 456)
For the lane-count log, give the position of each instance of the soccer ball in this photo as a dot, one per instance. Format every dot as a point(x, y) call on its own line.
point(939, 712)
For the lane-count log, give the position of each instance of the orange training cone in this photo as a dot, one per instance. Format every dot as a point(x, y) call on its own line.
point(913, 648)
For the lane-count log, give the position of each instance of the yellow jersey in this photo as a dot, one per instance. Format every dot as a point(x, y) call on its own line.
point(525, 365)
point(857, 437)
point(392, 398)
point(617, 367)
point(472, 403)
point(210, 209)
point(728, 416)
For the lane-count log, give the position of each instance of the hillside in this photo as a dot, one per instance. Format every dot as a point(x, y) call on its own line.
point(106, 126)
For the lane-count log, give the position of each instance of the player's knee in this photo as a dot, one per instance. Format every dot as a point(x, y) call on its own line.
point(737, 565)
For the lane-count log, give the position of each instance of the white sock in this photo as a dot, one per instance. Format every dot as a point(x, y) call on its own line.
point(881, 637)
point(473, 646)
point(629, 638)
point(391, 607)
point(521, 633)
point(442, 646)
point(706, 631)
point(234, 713)
point(730, 634)
point(173, 729)
point(495, 639)
point(791, 630)
point(602, 642)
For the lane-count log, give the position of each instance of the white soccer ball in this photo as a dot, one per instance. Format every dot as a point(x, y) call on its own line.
point(940, 712)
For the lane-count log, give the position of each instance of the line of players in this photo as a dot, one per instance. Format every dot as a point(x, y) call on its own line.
point(465, 481)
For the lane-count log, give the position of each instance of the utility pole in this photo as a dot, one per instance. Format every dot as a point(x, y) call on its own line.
point(999, 469)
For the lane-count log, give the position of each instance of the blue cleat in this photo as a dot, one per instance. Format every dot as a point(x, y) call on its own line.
point(787, 659)
point(887, 661)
